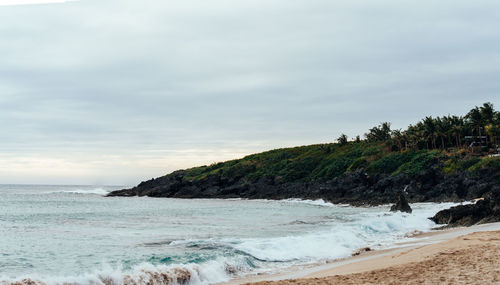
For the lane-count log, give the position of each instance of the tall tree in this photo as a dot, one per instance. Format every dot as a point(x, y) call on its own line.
point(430, 130)
point(456, 130)
point(487, 118)
point(475, 119)
point(381, 132)
point(442, 128)
point(487, 113)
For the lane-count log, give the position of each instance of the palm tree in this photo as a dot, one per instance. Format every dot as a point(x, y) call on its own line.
point(475, 119)
point(487, 113)
point(487, 117)
point(417, 135)
point(496, 124)
point(381, 132)
point(411, 137)
point(493, 128)
point(430, 130)
point(442, 129)
point(490, 130)
point(456, 130)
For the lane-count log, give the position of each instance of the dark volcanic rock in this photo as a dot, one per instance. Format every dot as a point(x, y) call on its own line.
point(483, 211)
point(355, 188)
point(401, 204)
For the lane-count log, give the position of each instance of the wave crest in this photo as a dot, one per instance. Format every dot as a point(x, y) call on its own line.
point(193, 274)
point(95, 191)
point(179, 276)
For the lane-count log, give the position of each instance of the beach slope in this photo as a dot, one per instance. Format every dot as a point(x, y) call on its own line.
point(464, 259)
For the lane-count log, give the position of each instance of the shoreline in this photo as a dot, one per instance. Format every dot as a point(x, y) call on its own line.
point(424, 245)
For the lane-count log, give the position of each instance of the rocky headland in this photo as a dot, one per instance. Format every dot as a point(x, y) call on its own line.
point(443, 159)
point(359, 188)
point(356, 188)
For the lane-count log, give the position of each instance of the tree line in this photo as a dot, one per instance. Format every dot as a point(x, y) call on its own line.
point(480, 127)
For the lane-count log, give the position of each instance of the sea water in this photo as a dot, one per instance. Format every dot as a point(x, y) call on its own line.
point(58, 234)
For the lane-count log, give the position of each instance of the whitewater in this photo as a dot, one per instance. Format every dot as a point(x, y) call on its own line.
point(73, 234)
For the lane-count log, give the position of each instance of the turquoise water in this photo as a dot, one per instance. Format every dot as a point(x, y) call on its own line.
point(73, 234)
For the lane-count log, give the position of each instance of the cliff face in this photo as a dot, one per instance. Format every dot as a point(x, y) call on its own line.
point(355, 188)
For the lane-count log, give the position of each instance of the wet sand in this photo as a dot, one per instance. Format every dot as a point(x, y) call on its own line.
point(457, 256)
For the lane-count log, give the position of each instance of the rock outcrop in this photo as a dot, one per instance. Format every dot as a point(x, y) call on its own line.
point(355, 188)
point(401, 204)
point(485, 210)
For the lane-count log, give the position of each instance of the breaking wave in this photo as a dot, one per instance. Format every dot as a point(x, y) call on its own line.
point(241, 256)
point(319, 203)
point(142, 274)
point(377, 230)
point(94, 191)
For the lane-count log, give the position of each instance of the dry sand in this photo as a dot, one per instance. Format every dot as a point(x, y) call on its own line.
point(457, 256)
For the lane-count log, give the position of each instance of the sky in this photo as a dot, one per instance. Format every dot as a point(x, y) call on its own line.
point(117, 92)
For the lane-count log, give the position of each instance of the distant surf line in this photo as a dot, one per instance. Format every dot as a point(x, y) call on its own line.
point(31, 2)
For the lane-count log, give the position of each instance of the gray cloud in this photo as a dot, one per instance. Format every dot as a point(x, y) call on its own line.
point(158, 85)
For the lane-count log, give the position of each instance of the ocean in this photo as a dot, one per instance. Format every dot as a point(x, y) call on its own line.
point(73, 234)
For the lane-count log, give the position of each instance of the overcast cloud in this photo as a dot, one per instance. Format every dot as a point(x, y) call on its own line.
point(115, 92)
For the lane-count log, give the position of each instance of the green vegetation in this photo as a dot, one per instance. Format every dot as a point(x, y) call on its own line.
point(480, 127)
point(451, 143)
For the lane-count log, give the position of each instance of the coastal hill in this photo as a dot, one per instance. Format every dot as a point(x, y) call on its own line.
point(447, 158)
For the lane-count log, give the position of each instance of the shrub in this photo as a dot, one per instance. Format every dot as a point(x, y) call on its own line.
point(486, 162)
point(420, 162)
point(374, 150)
point(389, 163)
point(358, 164)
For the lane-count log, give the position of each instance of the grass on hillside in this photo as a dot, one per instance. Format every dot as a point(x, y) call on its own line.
point(306, 163)
point(442, 142)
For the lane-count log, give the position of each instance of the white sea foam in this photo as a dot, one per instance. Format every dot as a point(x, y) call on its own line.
point(320, 202)
point(379, 229)
point(212, 241)
point(94, 191)
point(210, 272)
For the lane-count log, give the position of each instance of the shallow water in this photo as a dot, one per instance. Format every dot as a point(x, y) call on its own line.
point(74, 234)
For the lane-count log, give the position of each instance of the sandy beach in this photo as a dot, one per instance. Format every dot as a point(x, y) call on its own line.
point(454, 256)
